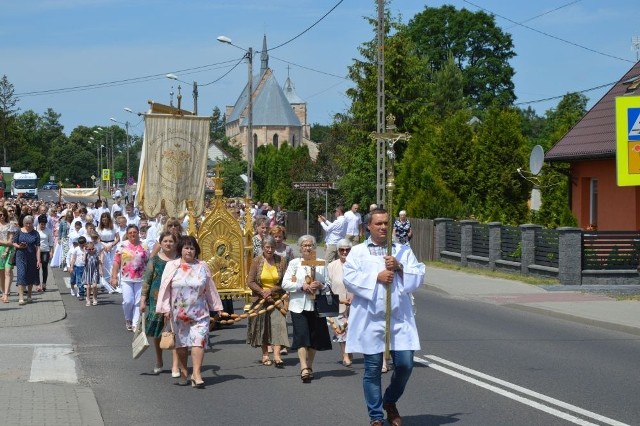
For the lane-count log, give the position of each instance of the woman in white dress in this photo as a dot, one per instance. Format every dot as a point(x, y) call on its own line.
point(109, 239)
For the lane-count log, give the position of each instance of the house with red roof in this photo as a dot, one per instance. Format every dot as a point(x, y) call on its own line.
point(590, 149)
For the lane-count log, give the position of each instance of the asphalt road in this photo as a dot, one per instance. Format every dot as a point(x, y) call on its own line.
point(480, 364)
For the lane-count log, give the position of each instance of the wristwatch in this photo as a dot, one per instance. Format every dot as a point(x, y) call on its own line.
point(400, 267)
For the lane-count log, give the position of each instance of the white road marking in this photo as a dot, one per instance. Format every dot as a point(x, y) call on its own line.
point(566, 416)
point(53, 364)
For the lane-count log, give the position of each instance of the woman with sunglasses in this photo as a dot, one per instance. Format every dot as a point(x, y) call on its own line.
point(27, 244)
point(7, 229)
point(46, 244)
point(130, 259)
point(173, 226)
point(334, 279)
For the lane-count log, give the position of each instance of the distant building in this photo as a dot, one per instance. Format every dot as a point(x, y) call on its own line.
point(279, 114)
point(590, 148)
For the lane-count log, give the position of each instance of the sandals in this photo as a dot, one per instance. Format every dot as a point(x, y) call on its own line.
point(306, 375)
point(278, 363)
point(267, 361)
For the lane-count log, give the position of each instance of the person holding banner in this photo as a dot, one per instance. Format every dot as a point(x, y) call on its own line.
point(369, 273)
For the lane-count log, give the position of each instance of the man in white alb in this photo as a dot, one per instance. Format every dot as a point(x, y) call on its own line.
point(369, 273)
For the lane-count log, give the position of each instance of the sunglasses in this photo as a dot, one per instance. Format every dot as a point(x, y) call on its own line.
point(173, 225)
point(344, 250)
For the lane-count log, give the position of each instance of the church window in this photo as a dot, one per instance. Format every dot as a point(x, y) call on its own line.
point(275, 140)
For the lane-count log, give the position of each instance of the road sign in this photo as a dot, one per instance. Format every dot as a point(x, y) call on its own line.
point(106, 174)
point(312, 185)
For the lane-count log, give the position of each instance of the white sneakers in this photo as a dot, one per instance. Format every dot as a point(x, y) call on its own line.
point(72, 292)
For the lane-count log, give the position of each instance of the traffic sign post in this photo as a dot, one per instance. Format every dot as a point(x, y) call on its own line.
point(314, 185)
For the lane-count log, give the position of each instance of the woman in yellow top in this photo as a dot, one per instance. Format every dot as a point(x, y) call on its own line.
point(265, 279)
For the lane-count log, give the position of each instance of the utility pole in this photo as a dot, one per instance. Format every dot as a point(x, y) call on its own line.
point(250, 127)
point(380, 117)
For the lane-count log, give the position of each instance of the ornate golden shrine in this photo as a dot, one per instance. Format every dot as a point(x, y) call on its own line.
point(225, 245)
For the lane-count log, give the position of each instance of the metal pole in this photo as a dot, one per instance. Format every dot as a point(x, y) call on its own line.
point(126, 125)
point(307, 212)
point(250, 128)
point(326, 203)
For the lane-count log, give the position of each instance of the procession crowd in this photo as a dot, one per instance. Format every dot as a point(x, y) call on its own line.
point(165, 286)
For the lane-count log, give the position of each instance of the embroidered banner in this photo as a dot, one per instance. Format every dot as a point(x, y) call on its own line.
point(173, 166)
point(80, 192)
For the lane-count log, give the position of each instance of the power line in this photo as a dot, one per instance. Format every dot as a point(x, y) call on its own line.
point(124, 81)
point(549, 35)
point(546, 13)
point(308, 68)
point(562, 96)
point(308, 28)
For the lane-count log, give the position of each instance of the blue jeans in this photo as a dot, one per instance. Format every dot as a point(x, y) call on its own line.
point(78, 271)
point(371, 381)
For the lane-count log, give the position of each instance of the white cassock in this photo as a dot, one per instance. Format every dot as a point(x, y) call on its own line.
point(366, 333)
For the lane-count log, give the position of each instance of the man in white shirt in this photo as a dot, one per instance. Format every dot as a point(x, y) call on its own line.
point(132, 217)
point(116, 207)
point(335, 231)
point(354, 224)
point(369, 273)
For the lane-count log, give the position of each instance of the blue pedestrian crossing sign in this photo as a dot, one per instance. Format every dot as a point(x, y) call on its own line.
point(628, 140)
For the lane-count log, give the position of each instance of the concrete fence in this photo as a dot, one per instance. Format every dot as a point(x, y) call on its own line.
point(532, 250)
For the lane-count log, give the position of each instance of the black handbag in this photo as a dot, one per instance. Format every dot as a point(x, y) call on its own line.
point(327, 304)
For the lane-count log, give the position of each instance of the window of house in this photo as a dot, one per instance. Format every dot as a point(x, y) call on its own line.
point(293, 141)
point(275, 140)
point(593, 203)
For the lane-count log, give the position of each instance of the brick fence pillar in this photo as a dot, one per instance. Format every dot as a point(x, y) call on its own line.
point(441, 236)
point(528, 246)
point(570, 256)
point(495, 243)
point(466, 237)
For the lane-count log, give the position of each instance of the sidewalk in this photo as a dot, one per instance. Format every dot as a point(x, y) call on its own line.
point(574, 303)
point(39, 375)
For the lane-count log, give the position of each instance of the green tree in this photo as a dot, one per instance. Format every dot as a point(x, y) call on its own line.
point(554, 180)
point(216, 129)
point(479, 47)
point(498, 192)
point(8, 112)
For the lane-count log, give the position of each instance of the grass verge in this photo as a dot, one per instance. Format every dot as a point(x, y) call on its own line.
point(527, 279)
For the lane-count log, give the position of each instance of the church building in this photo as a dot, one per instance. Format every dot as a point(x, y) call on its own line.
point(279, 115)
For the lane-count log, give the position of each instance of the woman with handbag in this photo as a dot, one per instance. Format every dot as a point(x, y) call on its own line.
point(187, 296)
point(264, 280)
point(304, 277)
point(27, 244)
point(150, 289)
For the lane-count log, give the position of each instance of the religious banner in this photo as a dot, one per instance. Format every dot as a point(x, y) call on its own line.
point(79, 192)
point(173, 166)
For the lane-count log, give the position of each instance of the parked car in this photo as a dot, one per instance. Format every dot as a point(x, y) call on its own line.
point(50, 185)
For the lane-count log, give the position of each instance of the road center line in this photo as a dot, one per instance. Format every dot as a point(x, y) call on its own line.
point(511, 395)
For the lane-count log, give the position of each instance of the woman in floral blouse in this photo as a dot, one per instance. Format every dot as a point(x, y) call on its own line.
point(187, 296)
point(402, 228)
point(130, 260)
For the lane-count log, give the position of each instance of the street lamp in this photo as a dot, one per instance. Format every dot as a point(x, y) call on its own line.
point(90, 142)
point(106, 145)
point(126, 125)
point(249, 57)
point(195, 91)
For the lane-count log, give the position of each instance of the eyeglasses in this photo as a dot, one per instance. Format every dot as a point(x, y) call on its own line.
point(173, 225)
point(306, 245)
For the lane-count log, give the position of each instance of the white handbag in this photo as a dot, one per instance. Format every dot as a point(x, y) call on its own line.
point(140, 342)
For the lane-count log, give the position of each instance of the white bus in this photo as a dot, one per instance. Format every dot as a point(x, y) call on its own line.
point(24, 185)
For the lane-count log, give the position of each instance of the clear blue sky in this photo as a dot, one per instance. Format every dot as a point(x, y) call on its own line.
point(55, 44)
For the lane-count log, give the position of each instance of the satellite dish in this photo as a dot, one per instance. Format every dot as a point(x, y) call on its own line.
point(536, 160)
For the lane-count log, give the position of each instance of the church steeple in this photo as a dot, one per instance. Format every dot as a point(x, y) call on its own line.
point(264, 56)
